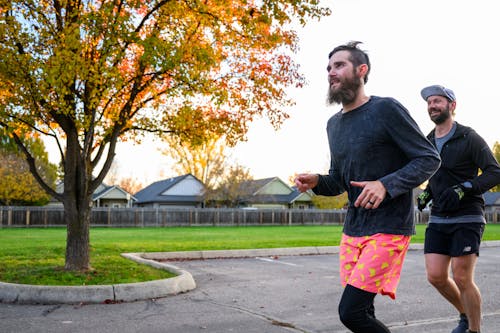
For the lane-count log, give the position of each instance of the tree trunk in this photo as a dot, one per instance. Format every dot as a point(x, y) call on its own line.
point(77, 242)
point(77, 205)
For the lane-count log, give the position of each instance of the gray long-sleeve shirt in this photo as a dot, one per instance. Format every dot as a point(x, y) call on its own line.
point(378, 141)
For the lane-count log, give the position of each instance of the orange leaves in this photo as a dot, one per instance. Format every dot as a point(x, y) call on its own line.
point(188, 67)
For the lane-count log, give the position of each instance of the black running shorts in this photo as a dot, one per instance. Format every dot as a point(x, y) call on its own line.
point(454, 239)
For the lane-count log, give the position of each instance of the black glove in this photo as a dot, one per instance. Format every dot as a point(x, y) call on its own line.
point(449, 200)
point(423, 199)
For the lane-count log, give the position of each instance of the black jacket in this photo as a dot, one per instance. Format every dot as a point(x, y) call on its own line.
point(461, 158)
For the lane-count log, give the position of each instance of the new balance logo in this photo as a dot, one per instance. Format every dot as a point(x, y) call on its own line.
point(467, 249)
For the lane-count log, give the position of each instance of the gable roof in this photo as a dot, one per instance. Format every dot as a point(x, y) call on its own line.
point(259, 186)
point(250, 187)
point(157, 191)
point(102, 191)
point(299, 196)
point(260, 191)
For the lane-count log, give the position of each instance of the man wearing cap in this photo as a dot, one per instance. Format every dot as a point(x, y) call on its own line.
point(457, 222)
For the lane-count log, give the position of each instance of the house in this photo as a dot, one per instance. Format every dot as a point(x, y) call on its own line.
point(112, 196)
point(492, 201)
point(185, 191)
point(272, 193)
point(300, 200)
point(104, 196)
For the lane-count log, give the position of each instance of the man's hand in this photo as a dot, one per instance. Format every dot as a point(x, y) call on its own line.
point(423, 199)
point(372, 195)
point(306, 181)
point(449, 200)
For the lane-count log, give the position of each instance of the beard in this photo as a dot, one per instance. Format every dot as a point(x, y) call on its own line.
point(346, 93)
point(442, 116)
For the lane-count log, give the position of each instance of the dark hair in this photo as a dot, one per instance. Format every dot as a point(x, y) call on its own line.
point(357, 56)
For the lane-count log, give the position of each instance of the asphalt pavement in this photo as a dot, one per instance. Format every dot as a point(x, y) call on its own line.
point(263, 292)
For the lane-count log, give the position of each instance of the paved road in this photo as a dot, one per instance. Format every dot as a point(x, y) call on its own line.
point(264, 295)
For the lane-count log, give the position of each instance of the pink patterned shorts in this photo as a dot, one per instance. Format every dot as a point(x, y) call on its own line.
point(373, 263)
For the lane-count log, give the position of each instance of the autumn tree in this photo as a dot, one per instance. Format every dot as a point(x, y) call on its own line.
point(330, 202)
point(17, 184)
point(206, 160)
point(230, 189)
point(18, 187)
point(210, 162)
point(496, 152)
point(90, 73)
point(130, 184)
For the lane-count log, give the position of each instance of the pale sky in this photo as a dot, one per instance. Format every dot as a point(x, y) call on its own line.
point(411, 44)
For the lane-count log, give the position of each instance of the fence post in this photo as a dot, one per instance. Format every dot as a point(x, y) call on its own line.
point(9, 217)
point(290, 217)
point(27, 217)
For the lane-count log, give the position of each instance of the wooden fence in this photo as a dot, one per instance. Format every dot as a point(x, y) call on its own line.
point(167, 217)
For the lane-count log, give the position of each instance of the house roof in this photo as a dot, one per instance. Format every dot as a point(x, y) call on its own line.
point(252, 187)
point(251, 191)
point(155, 191)
point(100, 192)
point(299, 196)
point(105, 189)
point(492, 198)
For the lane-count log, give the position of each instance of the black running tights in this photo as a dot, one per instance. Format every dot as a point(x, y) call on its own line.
point(357, 312)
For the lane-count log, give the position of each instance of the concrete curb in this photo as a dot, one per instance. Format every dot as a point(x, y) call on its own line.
point(128, 292)
point(216, 254)
point(249, 253)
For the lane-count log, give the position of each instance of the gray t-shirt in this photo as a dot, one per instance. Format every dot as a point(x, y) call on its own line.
point(441, 141)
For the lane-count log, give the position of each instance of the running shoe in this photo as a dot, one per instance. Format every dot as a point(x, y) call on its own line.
point(463, 325)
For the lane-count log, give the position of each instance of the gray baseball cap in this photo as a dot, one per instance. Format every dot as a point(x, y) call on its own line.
point(437, 90)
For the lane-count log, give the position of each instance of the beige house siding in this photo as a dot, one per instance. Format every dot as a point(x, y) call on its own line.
point(275, 187)
point(188, 186)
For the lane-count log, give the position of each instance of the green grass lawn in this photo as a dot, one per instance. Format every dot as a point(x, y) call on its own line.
point(36, 255)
